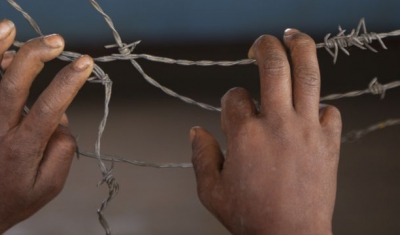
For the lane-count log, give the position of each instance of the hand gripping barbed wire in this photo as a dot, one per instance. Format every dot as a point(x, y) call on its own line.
point(336, 43)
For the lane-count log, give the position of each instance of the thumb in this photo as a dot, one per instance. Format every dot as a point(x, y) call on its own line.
point(207, 161)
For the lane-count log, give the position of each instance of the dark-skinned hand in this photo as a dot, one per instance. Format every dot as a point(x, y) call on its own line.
point(36, 150)
point(280, 170)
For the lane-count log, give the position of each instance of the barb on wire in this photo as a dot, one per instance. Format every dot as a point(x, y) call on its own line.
point(362, 41)
point(374, 88)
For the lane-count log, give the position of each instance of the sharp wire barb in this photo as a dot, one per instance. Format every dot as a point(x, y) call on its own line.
point(358, 37)
point(355, 38)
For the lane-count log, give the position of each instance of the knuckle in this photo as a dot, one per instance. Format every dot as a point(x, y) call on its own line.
point(55, 187)
point(10, 89)
point(274, 64)
point(30, 48)
point(308, 75)
point(46, 106)
point(65, 78)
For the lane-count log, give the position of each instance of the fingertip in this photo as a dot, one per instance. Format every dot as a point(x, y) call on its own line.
point(290, 32)
point(7, 59)
point(83, 63)
point(252, 54)
point(54, 41)
point(330, 118)
point(261, 48)
point(236, 106)
point(6, 28)
point(193, 133)
point(295, 38)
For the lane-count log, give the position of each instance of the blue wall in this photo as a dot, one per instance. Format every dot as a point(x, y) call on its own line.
point(180, 21)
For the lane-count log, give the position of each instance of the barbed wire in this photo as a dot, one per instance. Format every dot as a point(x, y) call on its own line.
point(358, 134)
point(374, 88)
point(358, 38)
point(362, 41)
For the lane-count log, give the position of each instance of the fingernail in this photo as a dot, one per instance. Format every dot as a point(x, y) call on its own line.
point(6, 27)
point(290, 32)
point(8, 54)
point(82, 63)
point(53, 41)
point(250, 54)
point(193, 133)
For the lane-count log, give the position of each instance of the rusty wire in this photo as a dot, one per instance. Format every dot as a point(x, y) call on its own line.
point(358, 37)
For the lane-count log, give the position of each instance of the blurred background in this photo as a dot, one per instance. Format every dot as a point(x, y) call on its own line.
point(145, 124)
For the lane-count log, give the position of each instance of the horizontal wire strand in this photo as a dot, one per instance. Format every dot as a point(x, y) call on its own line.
point(358, 37)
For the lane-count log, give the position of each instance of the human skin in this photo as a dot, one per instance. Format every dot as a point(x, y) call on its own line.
point(279, 173)
point(36, 150)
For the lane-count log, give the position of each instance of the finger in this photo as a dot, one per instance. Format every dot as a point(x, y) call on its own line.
point(306, 75)
point(207, 161)
point(47, 111)
point(237, 106)
point(17, 80)
point(55, 165)
point(275, 81)
point(7, 35)
point(330, 119)
point(8, 57)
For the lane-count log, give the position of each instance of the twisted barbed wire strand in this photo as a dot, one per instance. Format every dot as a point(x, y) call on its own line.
point(350, 137)
point(100, 76)
point(338, 42)
point(374, 88)
point(358, 134)
point(362, 41)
